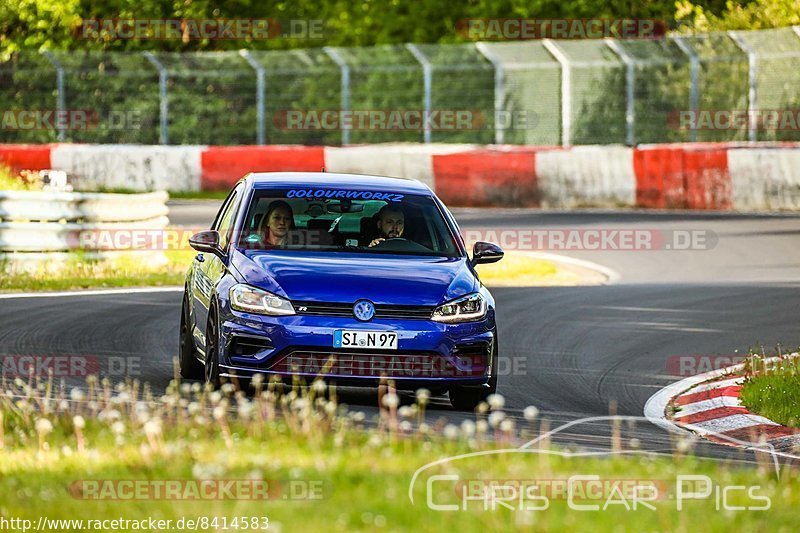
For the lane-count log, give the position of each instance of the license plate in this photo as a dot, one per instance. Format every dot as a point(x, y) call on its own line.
point(382, 340)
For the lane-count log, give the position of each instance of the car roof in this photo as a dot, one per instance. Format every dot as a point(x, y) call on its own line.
point(277, 180)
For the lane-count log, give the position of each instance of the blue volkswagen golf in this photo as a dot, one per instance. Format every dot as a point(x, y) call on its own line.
point(346, 277)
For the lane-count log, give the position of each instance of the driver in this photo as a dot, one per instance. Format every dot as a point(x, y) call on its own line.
point(391, 223)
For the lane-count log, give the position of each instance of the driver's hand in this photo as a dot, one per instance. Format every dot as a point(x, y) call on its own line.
point(375, 242)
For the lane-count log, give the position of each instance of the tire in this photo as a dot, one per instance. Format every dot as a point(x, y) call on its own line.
point(467, 398)
point(191, 367)
point(211, 370)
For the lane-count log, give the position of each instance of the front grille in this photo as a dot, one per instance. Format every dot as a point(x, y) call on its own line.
point(421, 312)
point(392, 365)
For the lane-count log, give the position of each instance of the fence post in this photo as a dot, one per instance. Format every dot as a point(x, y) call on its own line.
point(752, 94)
point(60, 98)
point(163, 108)
point(630, 94)
point(499, 92)
point(260, 87)
point(694, 73)
point(427, 80)
point(345, 68)
point(566, 90)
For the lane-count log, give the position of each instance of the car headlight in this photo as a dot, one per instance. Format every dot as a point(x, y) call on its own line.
point(464, 309)
point(252, 300)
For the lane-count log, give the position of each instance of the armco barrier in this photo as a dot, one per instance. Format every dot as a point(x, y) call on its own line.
point(710, 176)
point(40, 221)
point(89, 207)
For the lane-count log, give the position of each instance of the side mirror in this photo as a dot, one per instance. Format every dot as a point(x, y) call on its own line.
point(206, 241)
point(486, 252)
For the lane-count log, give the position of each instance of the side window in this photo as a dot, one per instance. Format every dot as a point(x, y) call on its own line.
point(224, 222)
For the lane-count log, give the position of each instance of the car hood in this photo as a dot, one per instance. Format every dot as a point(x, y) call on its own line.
point(347, 277)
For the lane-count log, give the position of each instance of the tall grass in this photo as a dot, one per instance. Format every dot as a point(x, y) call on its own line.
point(772, 386)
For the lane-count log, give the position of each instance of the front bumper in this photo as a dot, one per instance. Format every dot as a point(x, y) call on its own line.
point(429, 353)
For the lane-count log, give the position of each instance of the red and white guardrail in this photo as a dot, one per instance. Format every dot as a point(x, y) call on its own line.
point(709, 176)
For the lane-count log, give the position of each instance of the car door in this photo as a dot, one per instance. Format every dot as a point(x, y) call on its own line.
point(209, 268)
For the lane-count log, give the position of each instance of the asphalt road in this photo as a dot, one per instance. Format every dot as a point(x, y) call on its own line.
point(573, 352)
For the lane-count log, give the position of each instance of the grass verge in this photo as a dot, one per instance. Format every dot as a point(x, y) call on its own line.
point(105, 452)
point(78, 271)
point(16, 181)
point(198, 195)
point(773, 389)
point(139, 269)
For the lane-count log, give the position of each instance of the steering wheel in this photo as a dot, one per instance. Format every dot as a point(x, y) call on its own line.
point(401, 244)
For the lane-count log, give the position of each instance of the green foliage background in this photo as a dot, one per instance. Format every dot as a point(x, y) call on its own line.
point(212, 88)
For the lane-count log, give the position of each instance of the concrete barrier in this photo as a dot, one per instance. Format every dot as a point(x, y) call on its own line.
point(222, 166)
point(25, 156)
point(765, 178)
point(494, 176)
point(398, 160)
point(710, 176)
point(587, 175)
point(138, 168)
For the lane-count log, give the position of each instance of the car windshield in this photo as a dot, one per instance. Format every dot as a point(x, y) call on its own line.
point(326, 220)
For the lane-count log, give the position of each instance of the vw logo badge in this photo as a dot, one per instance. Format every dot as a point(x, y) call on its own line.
point(364, 310)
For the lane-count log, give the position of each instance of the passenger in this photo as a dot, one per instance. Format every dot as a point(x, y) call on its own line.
point(390, 223)
point(278, 222)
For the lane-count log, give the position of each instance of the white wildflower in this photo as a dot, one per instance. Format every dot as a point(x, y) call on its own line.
point(530, 413)
point(496, 401)
point(423, 395)
point(468, 428)
point(391, 400)
point(43, 426)
point(496, 417)
point(450, 432)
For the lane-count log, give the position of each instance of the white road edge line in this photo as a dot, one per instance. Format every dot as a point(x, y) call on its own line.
point(91, 292)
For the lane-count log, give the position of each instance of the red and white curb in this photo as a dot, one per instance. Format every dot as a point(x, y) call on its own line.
point(708, 405)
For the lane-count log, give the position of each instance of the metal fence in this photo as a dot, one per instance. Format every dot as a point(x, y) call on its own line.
point(716, 87)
